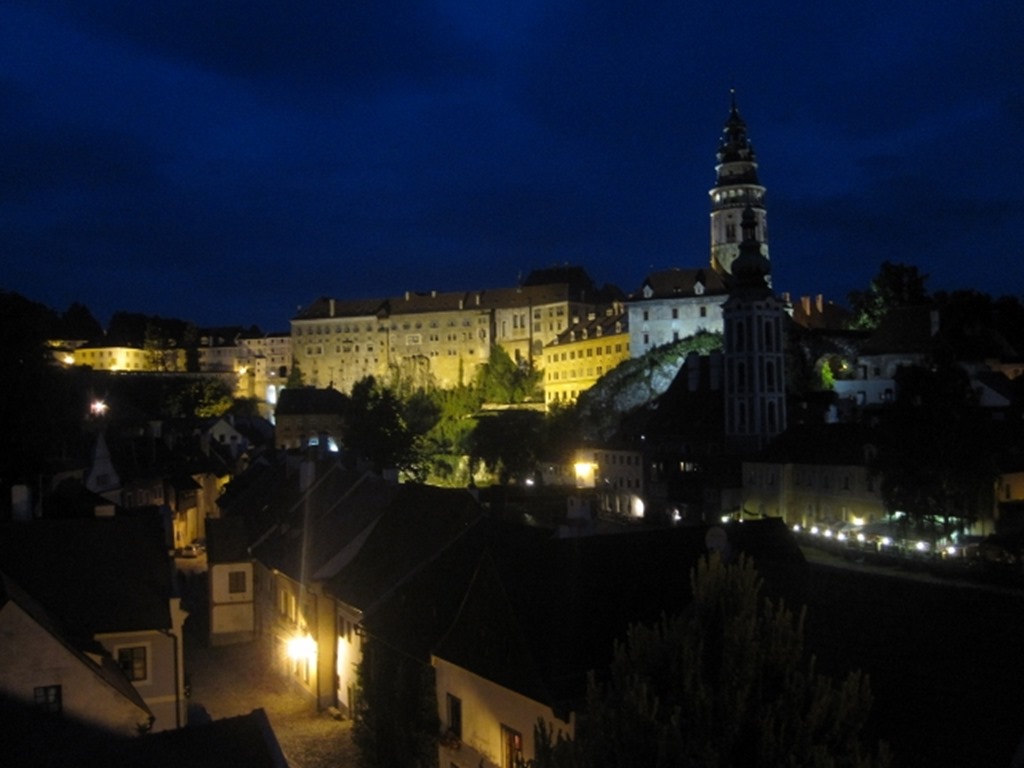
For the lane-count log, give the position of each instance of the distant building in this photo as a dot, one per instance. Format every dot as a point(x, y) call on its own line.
point(673, 304)
point(306, 416)
point(439, 339)
point(583, 353)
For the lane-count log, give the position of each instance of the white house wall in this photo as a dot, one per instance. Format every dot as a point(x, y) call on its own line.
point(34, 658)
point(487, 706)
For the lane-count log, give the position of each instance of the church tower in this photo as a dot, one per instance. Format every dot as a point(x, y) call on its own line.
point(736, 189)
point(754, 347)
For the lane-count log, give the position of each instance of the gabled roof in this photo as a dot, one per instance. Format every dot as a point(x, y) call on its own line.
point(298, 401)
point(539, 619)
point(226, 540)
point(600, 326)
point(326, 307)
point(680, 283)
point(309, 529)
point(414, 529)
point(88, 653)
point(434, 301)
point(97, 575)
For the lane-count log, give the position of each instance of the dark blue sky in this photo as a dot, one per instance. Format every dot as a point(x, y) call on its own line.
point(226, 161)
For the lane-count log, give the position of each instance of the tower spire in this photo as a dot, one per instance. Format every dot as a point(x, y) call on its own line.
point(736, 188)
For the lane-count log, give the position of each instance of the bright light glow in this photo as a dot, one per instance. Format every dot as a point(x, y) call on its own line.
point(921, 546)
point(857, 521)
point(528, 481)
point(860, 537)
point(814, 530)
point(950, 550)
point(638, 507)
point(726, 518)
point(676, 517)
point(796, 527)
point(98, 408)
point(585, 474)
point(69, 359)
point(827, 533)
point(886, 541)
point(841, 536)
point(301, 647)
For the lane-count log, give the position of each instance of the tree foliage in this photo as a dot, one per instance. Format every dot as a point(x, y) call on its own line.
point(728, 683)
point(200, 398)
point(507, 443)
point(502, 380)
point(376, 430)
point(396, 721)
point(935, 455)
point(895, 285)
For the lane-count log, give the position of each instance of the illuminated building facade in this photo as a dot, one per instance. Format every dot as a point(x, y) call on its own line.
point(673, 304)
point(438, 339)
point(583, 353)
point(129, 359)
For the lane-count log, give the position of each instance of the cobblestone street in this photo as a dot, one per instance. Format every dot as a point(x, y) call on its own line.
point(233, 680)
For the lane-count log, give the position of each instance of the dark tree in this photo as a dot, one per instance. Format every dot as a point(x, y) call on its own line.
point(728, 683)
point(895, 285)
point(375, 427)
point(396, 721)
point(507, 443)
point(78, 323)
point(935, 455)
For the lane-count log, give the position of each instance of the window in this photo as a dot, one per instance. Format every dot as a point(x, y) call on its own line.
point(133, 662)
point(455, 716)
point(236, 582)
point(511, 747)
point(48, 699)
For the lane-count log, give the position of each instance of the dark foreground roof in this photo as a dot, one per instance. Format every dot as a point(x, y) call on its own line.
point(38, 741)
point(97, 574)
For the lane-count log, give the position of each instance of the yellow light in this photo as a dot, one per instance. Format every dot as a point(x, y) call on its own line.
point(301, 647)
point(857, 521)
point(585, 472)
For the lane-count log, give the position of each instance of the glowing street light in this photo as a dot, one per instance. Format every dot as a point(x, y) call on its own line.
point(301, 648)
point(98, 408)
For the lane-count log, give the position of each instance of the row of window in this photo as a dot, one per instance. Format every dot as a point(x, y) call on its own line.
point(571, 375)
point(571, 354)
point(703, 312)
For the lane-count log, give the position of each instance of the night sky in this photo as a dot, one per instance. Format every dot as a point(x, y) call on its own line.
point(226, 161)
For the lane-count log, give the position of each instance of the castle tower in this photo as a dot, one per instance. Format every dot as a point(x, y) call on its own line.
point(736, 188)
point(754, 348)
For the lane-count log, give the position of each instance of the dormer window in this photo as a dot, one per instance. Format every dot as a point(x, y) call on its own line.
point(698, 288)
point(648, 291)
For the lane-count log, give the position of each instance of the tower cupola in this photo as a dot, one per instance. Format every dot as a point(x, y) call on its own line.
point(736, 189)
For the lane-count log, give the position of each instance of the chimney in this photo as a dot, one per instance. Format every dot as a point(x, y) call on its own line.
point(819, 301)
point(933, 316)
point(805, 305)
point(332, 307)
